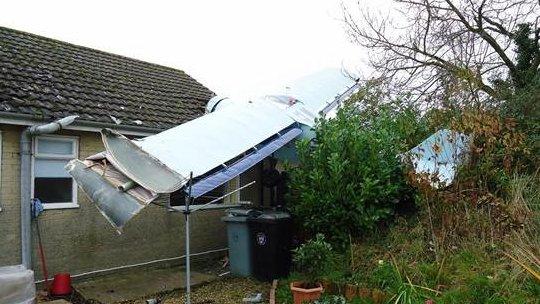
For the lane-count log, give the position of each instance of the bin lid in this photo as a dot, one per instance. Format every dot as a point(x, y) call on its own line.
point(273, 216)
point(239, 214)
point(234, 219)
point(242, 212)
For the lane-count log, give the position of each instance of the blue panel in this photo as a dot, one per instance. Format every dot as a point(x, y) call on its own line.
point(215, 180)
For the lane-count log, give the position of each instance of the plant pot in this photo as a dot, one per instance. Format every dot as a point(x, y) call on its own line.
point(351, 291)
point(364, 293)
point(378, 296)
point(339, 288)
point(328, 287)
point(305, 295)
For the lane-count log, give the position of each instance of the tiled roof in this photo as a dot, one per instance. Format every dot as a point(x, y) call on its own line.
point(48, 79)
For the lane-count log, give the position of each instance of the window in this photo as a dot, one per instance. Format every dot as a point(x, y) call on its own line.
point(52, 184)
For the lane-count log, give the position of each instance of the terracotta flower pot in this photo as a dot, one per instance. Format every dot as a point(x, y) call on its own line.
point(305, 295)
point(351, 291)
point(378, 296)
point(364, 293)
point(328, 287)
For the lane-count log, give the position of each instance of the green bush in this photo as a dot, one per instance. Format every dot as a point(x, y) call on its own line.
point(350, 178)
point(523, 106)
point(314, 259)
point(283, 291)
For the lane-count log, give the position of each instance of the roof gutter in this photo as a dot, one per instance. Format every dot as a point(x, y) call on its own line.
point(80, 125)
point(26, 180)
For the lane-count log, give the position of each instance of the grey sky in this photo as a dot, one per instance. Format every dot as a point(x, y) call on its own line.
point(236, 48)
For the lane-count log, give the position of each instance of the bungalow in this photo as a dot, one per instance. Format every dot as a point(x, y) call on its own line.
point(42, 80)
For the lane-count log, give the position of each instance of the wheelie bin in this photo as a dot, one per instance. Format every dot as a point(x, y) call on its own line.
point(239, 240)
point(271, 236)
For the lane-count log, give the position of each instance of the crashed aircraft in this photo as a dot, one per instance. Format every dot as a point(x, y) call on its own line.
point(232, 137)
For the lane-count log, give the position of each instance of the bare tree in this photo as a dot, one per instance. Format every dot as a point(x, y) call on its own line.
point(437, 49)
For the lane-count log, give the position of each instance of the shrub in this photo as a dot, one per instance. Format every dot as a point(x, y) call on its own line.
point(350, 178)
point(477, 205)
point(313, 259)
point(283, 291)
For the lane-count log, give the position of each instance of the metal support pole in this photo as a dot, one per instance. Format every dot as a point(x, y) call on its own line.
point(188, 270)
point(187, 212)
point(188, 266)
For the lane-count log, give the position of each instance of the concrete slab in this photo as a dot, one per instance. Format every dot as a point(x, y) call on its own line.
point(135, 284)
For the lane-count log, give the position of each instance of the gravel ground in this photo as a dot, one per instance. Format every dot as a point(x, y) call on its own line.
point(227, 290)
point(223, 291)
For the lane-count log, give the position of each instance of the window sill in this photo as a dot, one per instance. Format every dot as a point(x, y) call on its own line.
point(60, 206)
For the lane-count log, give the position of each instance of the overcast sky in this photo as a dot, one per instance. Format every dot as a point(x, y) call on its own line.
point(236, 48)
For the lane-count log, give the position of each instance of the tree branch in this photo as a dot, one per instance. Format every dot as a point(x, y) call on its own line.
point(489, 39)
point(497, 27)
point(444, 48)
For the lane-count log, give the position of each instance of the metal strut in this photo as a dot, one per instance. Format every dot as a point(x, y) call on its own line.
point(188, 266)
point(187, 212)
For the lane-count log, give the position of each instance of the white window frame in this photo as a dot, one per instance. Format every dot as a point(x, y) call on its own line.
point(75, 154)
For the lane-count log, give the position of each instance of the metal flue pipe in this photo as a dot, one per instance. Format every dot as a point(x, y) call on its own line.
point(26, 180)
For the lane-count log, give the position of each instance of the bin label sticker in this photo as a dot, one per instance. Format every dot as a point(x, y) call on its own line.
point(261, 239)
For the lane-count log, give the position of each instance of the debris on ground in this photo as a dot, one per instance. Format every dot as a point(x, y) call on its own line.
point(73, 298)
point(253, 298)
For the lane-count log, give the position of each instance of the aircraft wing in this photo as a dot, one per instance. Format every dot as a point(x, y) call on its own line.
point(214, 148)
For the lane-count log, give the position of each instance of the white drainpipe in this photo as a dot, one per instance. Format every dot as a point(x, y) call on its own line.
point(26, 180)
